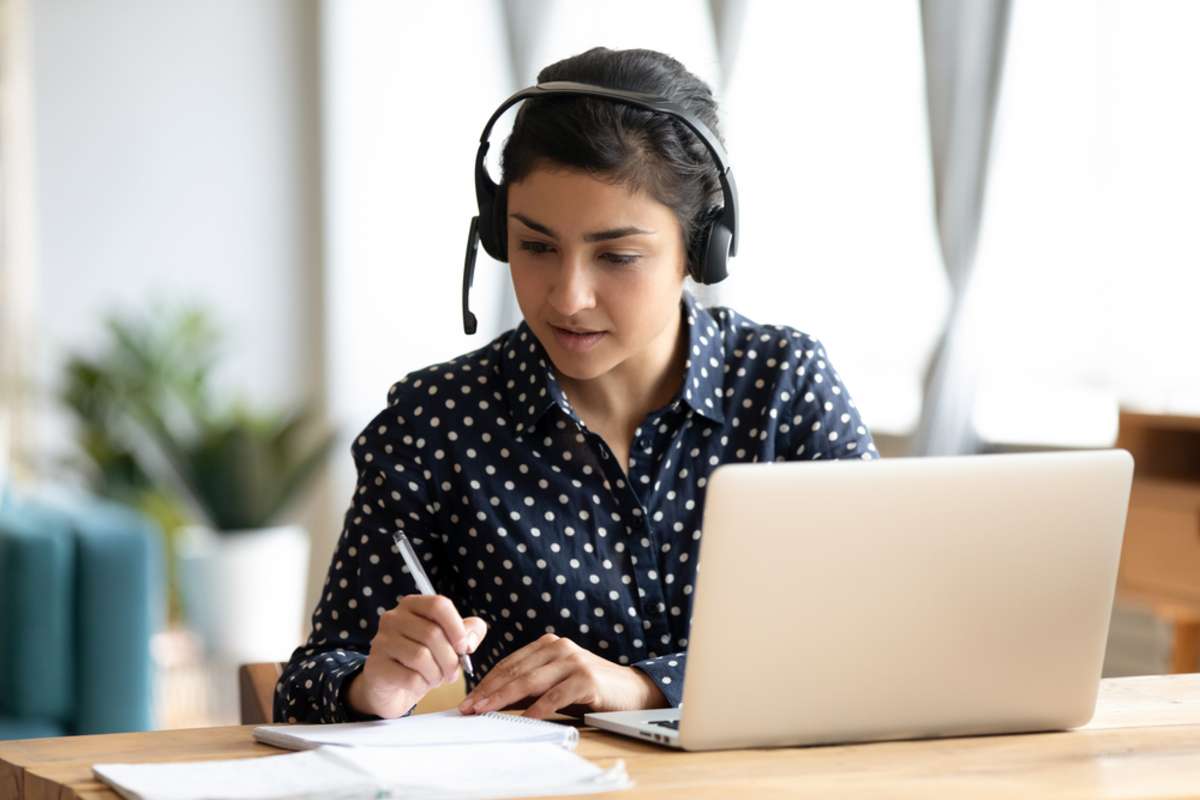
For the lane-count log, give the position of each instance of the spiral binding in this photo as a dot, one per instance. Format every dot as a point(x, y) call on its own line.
point(569, 735)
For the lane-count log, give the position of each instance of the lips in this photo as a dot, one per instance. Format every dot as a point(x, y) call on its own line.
point(577, 341)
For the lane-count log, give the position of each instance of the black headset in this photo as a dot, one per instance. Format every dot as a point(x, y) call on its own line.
point(715, 242)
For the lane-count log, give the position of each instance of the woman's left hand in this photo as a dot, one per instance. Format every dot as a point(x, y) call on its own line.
point(556, 673)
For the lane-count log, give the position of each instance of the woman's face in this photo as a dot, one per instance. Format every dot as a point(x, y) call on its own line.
point(597, 269)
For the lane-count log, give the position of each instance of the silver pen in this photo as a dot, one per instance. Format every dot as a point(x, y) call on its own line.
point(423, 585)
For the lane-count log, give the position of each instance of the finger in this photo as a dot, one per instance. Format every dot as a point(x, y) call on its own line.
point(570, 690)
point(431, 635)
point(476, 630)
point(531, 684)
point(416, 656)
point(440, 609)
point(510, 667)
point(505, 670)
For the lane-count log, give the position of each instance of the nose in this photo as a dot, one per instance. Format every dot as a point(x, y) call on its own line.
point(572, 290)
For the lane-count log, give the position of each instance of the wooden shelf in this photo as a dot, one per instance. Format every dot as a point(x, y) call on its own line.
point(1160, 559)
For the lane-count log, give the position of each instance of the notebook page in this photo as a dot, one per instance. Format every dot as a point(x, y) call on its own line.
point(483, 771)
point(440, 728)
point(312, 774)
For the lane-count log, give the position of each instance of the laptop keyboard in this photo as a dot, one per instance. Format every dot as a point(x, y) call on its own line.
point(673, 724)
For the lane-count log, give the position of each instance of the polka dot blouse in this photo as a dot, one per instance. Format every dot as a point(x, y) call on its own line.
point(523, 517)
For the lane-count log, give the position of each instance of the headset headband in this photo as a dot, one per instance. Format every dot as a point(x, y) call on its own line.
point(649, 102)
point(720, 232)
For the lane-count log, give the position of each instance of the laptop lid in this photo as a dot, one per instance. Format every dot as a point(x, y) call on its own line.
point(907, 597)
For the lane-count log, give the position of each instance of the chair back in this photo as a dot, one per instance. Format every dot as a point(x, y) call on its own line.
point(256, 690)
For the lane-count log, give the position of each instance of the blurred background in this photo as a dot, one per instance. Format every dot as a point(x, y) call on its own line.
point(227, 227)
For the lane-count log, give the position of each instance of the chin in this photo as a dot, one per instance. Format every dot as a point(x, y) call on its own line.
point(580, 367)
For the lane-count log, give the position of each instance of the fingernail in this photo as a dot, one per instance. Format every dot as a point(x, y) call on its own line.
point(470, 643)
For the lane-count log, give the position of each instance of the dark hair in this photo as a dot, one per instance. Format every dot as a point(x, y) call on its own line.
point(634, 147)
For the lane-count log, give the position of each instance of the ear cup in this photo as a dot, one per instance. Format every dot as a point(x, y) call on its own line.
point(709, 251)
point(485, 192)
point(716, 254)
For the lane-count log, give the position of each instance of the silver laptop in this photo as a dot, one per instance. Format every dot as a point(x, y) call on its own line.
point(854, 601)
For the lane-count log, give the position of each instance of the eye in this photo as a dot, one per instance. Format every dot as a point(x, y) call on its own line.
point(541, 248)
point(618, 258)
point(537, 248)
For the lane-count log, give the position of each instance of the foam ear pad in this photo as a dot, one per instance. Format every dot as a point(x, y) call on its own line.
point(697, 251)
point(486, 193)
point(500, 223)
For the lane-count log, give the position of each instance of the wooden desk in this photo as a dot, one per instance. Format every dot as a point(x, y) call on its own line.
point(1143, 743)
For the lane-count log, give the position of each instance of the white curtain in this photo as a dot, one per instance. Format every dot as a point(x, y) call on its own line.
point(1037, 309)
point(964, 46)
point(825, 118)
point(1089, 265)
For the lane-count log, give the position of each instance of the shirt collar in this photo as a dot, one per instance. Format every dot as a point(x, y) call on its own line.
point(530, 385)
point(532, 389)
point(704, 370)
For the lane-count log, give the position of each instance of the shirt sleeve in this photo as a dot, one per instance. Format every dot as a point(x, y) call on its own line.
point(366, 575)
point(824, 421)
point(667, 674)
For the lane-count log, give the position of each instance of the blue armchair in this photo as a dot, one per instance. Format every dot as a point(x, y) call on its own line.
point(80, 594)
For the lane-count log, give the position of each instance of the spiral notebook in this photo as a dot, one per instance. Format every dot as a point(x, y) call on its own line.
point(346, 773)
point(421, 730)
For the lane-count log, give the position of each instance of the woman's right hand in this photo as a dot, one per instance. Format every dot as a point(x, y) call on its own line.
point(415, 649)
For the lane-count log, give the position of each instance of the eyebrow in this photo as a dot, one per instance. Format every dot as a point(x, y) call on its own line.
point(598, 236)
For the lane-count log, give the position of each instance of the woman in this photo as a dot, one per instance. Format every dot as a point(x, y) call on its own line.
point(553, 480)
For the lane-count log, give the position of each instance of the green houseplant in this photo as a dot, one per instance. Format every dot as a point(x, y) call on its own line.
point(153, 366)
point(216, 475)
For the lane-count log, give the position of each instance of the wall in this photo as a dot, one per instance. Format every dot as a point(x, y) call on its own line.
point(178, 158)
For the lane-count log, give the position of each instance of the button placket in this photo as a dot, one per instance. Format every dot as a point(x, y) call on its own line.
point(646, 591)
point(652, 599)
